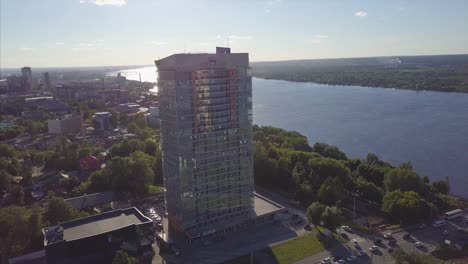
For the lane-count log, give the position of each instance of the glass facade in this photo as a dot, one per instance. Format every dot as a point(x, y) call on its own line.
point(206, 135)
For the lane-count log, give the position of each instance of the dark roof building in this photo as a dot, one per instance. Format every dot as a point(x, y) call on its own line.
point(91, 200)
point(96, 239)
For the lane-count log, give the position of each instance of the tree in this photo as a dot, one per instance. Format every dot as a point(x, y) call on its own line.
point(407, 207)
point(369, 190)
point(121, 257)
point(329, 151)
point(331, 191)
point(151, 147)
point(7, 151)
point(16, 195)
point(58, 210)
point(5, 181)
point(441, 186)
point(323, 168)
point(314, 213)
point(332, 217)
point(405, 180)
point(18, 227)
point(372, 173)
point(98, 181)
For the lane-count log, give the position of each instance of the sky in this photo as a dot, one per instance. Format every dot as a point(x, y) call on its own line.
point(58, 33)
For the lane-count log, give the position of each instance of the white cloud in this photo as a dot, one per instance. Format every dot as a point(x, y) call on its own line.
point(89, 45)
point(360, 13)
point(156, 42)
point(318, 38)
point(117, 3)
point(59, 43)
point(24, 48)
point(237, 37)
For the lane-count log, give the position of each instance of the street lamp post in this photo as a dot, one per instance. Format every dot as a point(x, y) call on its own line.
point(355, 194)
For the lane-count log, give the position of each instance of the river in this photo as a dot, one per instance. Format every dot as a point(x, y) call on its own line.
point(430, 129)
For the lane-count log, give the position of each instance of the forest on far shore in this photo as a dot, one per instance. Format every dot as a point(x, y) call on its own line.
point(444, 73)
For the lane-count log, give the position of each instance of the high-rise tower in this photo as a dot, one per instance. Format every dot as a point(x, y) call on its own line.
point(205, 104)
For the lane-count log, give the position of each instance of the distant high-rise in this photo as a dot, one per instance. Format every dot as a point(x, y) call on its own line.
point(27, 77)
point(46, 80)
point(205, 104)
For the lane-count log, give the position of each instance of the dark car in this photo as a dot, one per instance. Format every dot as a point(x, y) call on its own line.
point(406, 236)
point(378, 241)
point(344, 235)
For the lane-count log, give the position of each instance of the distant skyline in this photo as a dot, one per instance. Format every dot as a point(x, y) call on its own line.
point(61, 33)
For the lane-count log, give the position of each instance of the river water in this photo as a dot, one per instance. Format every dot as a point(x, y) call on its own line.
point(430, 129)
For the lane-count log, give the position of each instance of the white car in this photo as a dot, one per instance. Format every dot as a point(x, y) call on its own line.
point(355, 243)
point(439, 223)
point(361, 253)
point(351, 258)
point(373, 249)
point(327, 260)
point(418, 244)
point(346, 228)
point(388, 235)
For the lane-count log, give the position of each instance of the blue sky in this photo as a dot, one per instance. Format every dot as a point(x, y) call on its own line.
point(48, 33)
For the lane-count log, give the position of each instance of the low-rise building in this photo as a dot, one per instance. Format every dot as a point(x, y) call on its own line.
point(102, 121)
point(64, 125)
point(96, 238)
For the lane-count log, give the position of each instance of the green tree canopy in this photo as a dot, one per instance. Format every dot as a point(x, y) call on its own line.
point(331, 191)
point(332, 217)
point(405, 180)
point(121, 257)
point(19, 227)
point(58, 210)
point(314, 212)
point(406, 207)
point(329, 151)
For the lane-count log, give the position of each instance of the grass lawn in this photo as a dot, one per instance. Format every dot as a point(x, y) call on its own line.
point(296, 249)
point(154, 189)
point(392, 227)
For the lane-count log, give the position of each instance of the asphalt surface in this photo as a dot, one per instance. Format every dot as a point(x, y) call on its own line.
point(429, 236)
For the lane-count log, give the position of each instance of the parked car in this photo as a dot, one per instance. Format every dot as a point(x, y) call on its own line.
point(422, 226)
point(327, 260)
point(373, 249)
point(340, 261)
point(378, 241)
point(351, 258)
point(388, 236)
point(439, 223)
point(418, 244)
point(361, 253)
point(446, 232)
point(347, 228)
point(344, 235)
point(355, 243)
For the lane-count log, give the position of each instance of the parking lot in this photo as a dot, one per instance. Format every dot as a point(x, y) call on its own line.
point(416, 238)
